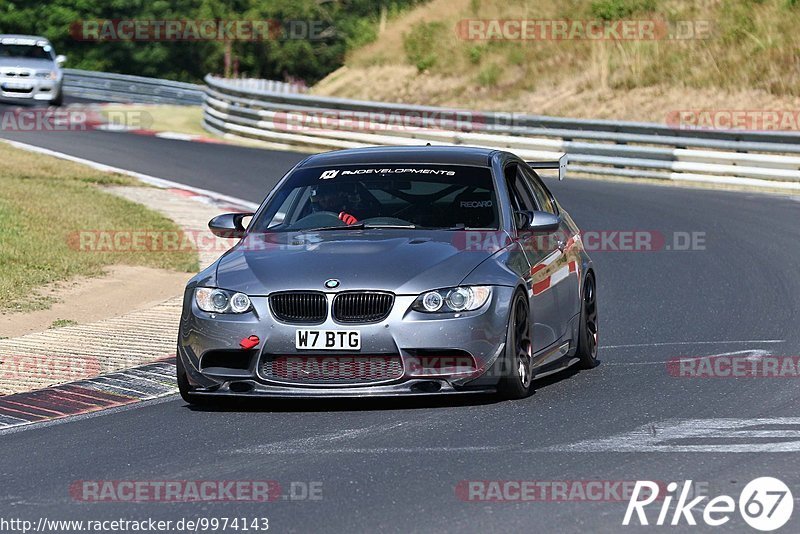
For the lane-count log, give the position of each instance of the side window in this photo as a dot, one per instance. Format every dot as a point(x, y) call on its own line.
point(520, 195)
point(286, 207)
point(543, 196)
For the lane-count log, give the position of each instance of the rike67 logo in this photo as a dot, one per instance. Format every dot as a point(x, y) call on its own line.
point(765, 504)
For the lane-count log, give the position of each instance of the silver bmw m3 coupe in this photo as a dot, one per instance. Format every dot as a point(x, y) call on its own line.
point(392, 271)
point(30, 70)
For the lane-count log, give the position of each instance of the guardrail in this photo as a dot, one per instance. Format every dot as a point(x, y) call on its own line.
point(139, 89)
point(270, 86)
point(627, 149)
point(125, 88)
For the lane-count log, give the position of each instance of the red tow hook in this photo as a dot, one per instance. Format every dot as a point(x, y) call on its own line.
point(249, 342)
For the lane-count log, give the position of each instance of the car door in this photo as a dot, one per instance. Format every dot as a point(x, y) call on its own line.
point(564, 278)
point(540, 253)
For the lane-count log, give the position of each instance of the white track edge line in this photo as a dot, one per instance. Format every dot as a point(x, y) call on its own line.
point(146, 178)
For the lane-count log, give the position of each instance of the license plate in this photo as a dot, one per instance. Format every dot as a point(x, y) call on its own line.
point(17, 86)
point(327, 340)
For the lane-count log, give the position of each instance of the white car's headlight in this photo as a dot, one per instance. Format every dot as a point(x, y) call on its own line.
point(453, 299)
point(48, 75)
point(221, 301)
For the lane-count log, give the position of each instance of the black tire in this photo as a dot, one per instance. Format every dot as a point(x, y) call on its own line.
point(515, 383)
point(58, 101)
point(183, 382)
point(185, 389)
point(588, 330)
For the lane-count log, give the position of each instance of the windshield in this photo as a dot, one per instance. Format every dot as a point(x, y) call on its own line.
point(25, 51)
point(406, 196)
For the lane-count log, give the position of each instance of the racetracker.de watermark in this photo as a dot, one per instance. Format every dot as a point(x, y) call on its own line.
point(161, 491)
point(735, 119)
point(372, 367)
point(123, 241)
point(368, 121)
point(554, 490)
point(735, 366)
point(47, 120)
point(72, 120)
point(582, 30)
point(201, 30)
point(591, 240)
point(50, 367)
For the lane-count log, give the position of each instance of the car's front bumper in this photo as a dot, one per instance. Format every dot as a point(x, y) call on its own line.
point(29, 88)
point(414, 387)
point(403, 334)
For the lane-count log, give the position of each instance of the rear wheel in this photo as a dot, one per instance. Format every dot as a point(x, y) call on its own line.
point(588, 331)
point(517, 374)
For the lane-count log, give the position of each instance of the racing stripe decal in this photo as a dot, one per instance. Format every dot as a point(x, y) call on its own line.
point(551, 280)
point(541, 287)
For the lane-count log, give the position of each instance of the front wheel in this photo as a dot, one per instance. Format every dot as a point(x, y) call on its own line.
point(587, 334)
point(517, 374)
point(184, 388)
point(58, 101)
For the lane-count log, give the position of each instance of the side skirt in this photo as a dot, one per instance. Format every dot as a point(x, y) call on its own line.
point(554, 360)
point(565, 365)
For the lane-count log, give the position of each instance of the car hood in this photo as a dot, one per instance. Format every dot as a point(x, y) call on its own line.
point(398, 261)
point(25, 63)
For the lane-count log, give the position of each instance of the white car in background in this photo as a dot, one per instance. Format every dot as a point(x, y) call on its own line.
point(30, 69)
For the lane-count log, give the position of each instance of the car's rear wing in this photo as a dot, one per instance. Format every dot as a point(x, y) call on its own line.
point(560, 164)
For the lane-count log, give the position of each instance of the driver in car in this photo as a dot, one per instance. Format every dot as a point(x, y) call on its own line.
point(335, 199)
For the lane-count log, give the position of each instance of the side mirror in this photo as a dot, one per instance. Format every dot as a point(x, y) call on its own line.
point(522, 219)
point(61, 60)
point(228, 225)
point(537, 221)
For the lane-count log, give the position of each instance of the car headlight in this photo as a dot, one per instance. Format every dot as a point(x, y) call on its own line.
point(51, 75)
point(453, 299)
point(221, 301)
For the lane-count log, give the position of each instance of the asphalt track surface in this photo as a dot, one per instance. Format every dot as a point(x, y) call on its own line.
point(394, 465)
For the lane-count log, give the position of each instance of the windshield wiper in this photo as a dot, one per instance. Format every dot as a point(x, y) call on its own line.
point(357, 226)
point(406, 226)
point(360, 226)
point(461, 226)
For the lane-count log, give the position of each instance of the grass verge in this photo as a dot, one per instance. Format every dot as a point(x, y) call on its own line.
point(159, 118)
point(175, 119)
point(43, 201)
